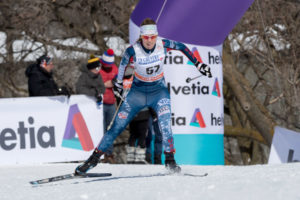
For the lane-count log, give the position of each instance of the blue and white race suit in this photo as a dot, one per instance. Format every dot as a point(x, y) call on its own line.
point(148, 90)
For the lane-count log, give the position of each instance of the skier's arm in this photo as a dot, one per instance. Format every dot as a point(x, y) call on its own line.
point(128, 55)
point(201, 67)
point(170, 44)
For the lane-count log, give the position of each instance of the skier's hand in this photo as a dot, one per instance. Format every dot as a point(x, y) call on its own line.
point(118, 88)
point(203, 69)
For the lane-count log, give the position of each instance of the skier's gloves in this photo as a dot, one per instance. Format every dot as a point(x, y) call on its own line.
point(203, 69)
point(118, 88)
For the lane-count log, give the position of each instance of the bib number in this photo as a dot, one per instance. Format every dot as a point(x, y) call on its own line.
point(151, 70)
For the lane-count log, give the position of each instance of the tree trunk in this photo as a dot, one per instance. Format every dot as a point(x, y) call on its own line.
point(250, 105)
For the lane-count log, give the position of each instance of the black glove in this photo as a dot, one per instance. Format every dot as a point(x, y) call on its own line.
point(118, 88)
point(203, 69)
point(99, 99)
point(63, 91)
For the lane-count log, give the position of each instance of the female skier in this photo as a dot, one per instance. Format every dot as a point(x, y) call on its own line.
point(148, 90)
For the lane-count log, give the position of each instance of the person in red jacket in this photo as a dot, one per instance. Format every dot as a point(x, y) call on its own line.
point(108, 72)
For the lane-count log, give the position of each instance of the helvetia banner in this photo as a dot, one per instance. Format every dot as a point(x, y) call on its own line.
point(197, 106)
point(49, 129)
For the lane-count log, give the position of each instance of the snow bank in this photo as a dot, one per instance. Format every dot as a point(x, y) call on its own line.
point(131, 182)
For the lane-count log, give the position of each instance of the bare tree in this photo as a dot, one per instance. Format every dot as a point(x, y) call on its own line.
point(262, 73)
point(42, 25)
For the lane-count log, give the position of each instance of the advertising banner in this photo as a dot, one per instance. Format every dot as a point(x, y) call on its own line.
point(285, 146)
point(197, 106)
point(49, 129)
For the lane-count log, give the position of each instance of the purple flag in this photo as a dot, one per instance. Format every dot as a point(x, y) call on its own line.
point(199, 22)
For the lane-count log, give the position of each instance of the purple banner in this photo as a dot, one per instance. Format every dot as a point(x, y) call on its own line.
point(199, 22)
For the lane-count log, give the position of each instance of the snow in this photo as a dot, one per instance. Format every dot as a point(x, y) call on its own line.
point(129, 182)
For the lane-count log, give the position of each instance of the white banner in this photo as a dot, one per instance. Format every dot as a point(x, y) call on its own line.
point(285, 146)
point(49, 129)
point(196, 100)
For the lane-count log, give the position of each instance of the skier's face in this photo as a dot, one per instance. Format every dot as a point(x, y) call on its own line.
point(149, 41)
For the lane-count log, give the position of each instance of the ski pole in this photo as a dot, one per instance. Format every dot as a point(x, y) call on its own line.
point(115, 114)
point(122, 98)
point(190, 79)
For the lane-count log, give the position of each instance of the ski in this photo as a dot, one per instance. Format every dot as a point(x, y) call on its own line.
point(194, 175)
point(69, 176)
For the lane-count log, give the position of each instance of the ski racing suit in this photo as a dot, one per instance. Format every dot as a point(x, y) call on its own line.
point(148, 90)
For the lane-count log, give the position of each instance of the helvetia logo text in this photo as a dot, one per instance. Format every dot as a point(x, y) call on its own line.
point(197, 119)
point(27, 136)
point(76, 124)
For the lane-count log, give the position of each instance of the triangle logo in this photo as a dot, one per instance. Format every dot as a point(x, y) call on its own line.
point(197, 119)
point(197, 55)
point(216, 89)
point(76, 124)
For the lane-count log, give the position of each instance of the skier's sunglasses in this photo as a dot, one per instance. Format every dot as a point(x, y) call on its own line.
point(146, 37)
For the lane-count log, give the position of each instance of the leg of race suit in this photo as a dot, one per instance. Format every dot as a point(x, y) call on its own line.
point(108, 113)
point(163, 110)
point(158, 139)
point(133, 103)
point(161, 103)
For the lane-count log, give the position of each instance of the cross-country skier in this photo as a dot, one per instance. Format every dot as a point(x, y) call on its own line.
point(148, 90)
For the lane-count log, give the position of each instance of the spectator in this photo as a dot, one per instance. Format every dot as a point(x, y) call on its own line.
point(153, 130)
point(40, 80)
point(136, 148)
point(90, 82)
point(108, 72)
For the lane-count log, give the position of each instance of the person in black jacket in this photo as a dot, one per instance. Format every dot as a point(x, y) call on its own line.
point(40, 80)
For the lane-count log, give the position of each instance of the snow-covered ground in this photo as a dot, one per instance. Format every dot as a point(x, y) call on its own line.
point(130, 182)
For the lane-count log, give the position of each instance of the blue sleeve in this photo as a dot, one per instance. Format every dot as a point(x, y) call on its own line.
point(170, 44)
point(128, 55)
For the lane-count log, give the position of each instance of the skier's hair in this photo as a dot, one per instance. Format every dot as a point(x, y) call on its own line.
point(146, 21)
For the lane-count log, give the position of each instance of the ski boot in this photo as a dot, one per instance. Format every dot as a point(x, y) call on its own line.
point(90, 163)
point(170, 163)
